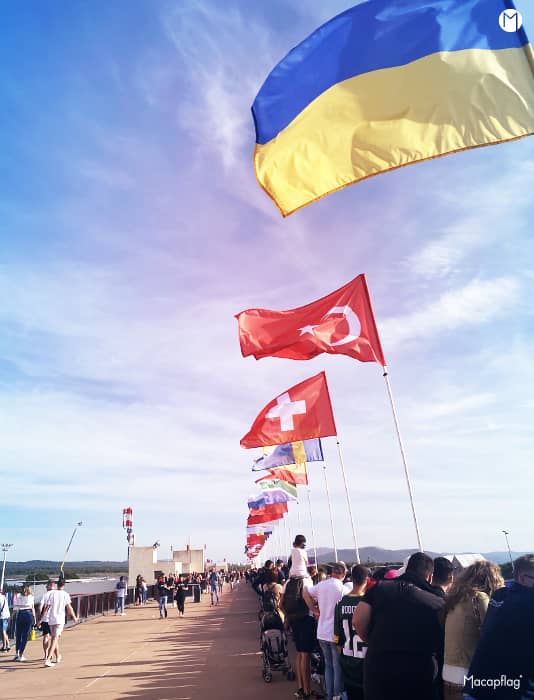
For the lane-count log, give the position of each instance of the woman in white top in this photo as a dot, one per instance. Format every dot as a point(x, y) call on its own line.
point(299, 558)
point(4, 621)
point(25, 609)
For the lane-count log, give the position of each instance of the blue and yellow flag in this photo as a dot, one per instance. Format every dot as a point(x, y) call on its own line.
point(290, 453)
point(389, 83)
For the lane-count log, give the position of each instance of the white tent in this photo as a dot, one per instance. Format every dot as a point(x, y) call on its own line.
point(462, 561)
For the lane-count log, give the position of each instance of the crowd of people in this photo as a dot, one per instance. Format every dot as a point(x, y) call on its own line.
point(49, 615)
point(422, 632)
point(180, 586)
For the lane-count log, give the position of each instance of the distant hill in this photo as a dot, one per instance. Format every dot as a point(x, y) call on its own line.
point(503, 557)
point(49, 567)
point(377, 555)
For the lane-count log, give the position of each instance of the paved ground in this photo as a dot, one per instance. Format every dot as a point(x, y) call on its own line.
point(210, 654)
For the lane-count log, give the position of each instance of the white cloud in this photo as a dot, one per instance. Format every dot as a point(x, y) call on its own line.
point(474, 304)
point(485, 209)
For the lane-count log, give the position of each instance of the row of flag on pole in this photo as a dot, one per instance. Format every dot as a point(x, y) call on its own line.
point(290, 427)
point(380, 86)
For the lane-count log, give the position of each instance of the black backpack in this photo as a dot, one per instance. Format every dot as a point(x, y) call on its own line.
point(295, 606)
point(268, 602)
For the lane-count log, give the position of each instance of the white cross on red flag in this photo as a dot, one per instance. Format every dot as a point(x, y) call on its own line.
point(300, 413)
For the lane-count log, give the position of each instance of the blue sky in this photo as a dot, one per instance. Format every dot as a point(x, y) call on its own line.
point(133, 230)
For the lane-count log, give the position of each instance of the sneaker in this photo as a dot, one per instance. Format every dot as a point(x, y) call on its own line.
point(16, 657)
point(48, 663)
point(22, 658)
point(58, 660)
point(122, 614)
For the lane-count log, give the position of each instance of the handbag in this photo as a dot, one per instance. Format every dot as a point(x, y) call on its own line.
point(476, 612)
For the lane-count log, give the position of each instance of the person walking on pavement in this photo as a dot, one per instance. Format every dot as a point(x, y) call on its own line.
point(56, 603)
point(120, 595)
point(24, 608)
point(4, 621)
point(43, 616)
point(163, 592)
point(181, 591)
point(214, 587)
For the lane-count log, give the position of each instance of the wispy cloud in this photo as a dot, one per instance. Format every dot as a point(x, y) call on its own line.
point(487, 209)
point(474, 304)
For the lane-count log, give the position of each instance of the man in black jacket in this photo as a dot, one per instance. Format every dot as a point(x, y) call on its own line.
point(399, 620)
point(503, 664)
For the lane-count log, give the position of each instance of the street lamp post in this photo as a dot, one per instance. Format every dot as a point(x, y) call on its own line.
point(509, 551)
point(5, 547)
point(79, 524)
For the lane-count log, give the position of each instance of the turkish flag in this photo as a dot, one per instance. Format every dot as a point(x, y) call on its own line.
point(341, 323)
point(300, 413)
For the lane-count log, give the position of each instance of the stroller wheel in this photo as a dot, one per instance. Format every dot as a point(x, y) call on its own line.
point(290, 675)
point(267, 677)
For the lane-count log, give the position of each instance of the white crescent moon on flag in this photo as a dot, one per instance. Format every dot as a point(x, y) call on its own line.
point(352, 320)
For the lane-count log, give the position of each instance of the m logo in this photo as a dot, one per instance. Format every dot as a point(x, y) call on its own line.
point(510, 21)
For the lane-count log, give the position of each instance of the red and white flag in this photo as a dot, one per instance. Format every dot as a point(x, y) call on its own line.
point(340, 323)
point(300, 413)
point(264, 518)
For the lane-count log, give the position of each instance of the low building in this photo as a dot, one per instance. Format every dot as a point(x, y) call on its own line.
point(191, 560)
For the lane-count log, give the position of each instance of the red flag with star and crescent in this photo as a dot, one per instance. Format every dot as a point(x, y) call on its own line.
point(340, 323)
point(300, 413)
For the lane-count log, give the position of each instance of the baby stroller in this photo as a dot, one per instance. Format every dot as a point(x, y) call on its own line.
point(317, 670)
point(274, 647)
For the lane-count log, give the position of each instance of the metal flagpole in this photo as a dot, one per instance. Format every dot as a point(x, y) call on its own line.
point(286, 536)
point(356, 550)
point(298, 515)
point(330, 510)
point(311, 526)
point(403, 455)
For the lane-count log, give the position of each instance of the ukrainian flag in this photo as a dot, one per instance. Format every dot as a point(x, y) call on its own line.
point(389, 83)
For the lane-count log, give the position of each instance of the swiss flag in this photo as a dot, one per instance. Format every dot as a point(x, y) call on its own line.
point(300, 413)
point(340, 323)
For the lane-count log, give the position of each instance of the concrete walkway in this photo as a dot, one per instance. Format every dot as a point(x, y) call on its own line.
point(210, 654)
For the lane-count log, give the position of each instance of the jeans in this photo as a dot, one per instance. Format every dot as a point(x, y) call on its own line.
point(119, 603)
point(163, 605)
point(24, 626)
point(333, 676)
point(214, 592)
